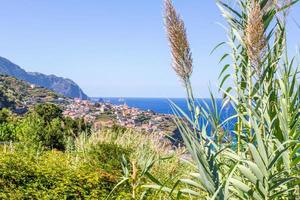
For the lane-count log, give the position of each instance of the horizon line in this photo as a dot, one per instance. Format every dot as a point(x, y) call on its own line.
point(120, 97)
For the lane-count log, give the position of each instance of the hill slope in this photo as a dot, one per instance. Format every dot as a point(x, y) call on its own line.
point(18, 95)
point(60, 85)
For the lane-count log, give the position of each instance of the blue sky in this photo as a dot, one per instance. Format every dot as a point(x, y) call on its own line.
point(114, 48)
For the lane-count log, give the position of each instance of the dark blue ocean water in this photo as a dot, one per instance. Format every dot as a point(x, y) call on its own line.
point(163, 105)
point(158, 105)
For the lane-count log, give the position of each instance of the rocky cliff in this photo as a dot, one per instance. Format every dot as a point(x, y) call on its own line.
point(60, 85)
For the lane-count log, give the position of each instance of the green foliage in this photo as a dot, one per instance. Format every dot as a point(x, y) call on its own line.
point(4, 115)
point(44, 126)
point(48, 111)
point(74, 127)
point(7, 126)
point(118, 129)
point(52, 175)
point(14, 93)
point(265, 164)
point(5, 102)
point(108, 156)
point(8, 132)
point(33, 130)
point(89, 170)
point(149, 156)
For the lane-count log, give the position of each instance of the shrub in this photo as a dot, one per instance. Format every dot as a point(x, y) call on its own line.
point(74, 127)
point(54, 175)
point(44, 126)
point(108, 156)
point(48, 111)
point(33, 130)
point(5, 114)
point(8, 132)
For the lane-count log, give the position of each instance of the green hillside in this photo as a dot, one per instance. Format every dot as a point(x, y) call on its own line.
point(19, 95)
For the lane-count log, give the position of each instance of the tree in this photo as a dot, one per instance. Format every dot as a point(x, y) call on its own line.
point(76, 126)
point(48, 112)
point(4, 115)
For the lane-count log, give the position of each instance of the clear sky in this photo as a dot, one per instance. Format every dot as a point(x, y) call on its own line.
point(114, 47)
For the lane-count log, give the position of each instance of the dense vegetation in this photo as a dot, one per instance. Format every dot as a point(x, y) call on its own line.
point(44, 126)
point(16, 93)
point(47, 156)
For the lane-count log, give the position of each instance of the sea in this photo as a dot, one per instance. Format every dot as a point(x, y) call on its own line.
point(163, 106)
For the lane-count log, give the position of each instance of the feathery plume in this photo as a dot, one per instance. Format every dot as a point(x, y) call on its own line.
point(277, 5)
point(269, 6)
point(182, 61)
point(281, 3)
point(255, 39)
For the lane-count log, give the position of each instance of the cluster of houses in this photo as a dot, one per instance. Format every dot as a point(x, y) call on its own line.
point(142, 120)
point(107, 114)
point(78, 108)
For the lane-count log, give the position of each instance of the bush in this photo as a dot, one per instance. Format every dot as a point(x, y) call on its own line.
point(54, 175)
point(44, 126)
point(108, 156)
point(48, 111)
point(74, 127)
point(8, 132)
point(5, 114)
point(35, 131)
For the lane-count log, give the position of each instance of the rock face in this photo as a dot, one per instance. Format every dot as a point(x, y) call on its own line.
point(60, 85)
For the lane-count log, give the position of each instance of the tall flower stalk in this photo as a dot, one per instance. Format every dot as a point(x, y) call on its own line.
point(265, 94)
point(182, 61)
point(255, 39)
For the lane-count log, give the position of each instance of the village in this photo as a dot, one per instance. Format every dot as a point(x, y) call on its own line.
point(103, 114)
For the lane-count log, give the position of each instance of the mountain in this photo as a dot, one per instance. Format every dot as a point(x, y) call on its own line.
point(19, 95)
point(60, 85)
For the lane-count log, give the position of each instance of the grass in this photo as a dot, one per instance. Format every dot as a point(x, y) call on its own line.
point(89, 169)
